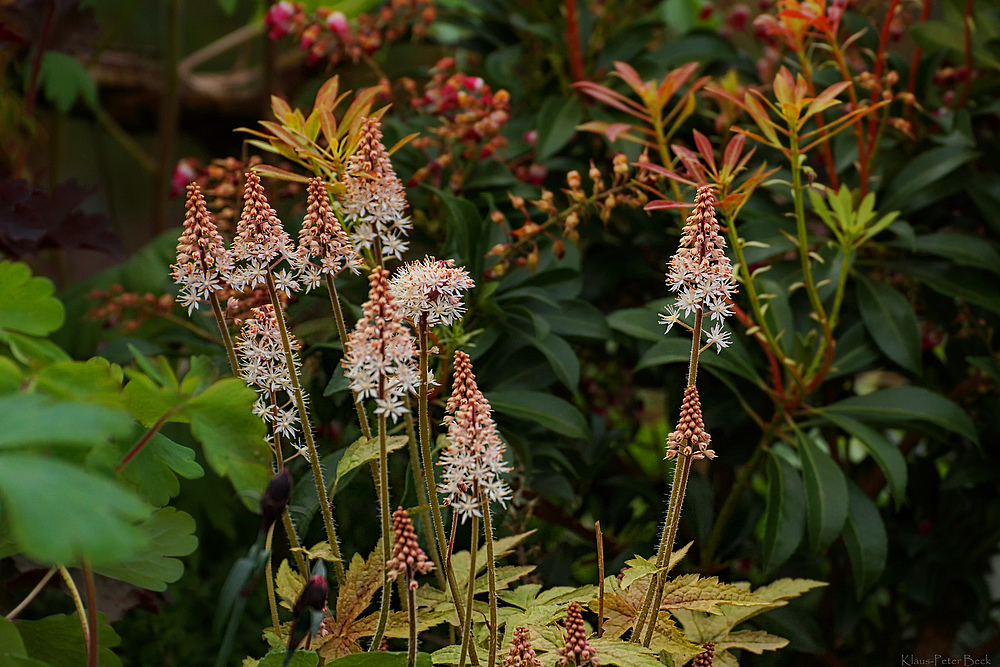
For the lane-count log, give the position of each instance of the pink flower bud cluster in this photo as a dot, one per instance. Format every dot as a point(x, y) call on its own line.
point(577, 650)
point(379, 358)
point(324, 248)
point(521, 652)
point(474, 459)
point(700, 273)
point(690, 437)
point(431, 290)
point(374, 200)
point(202, 259)
point(262, 366)
point(261, 242)
point(408, 558)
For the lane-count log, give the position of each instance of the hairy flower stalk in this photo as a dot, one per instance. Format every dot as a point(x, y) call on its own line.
point(472, 465)
point(325, 251)
point(701, 275)
point(202, 264)
point(260, 245)
point(378, 362)
point(374, 200)
point(409, 560)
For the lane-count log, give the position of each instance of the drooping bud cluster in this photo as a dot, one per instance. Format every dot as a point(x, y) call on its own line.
point(275, 499)
point(521, 653)
point(379, 358)
point(474, 460)
point(408, 558)
point(324, 248)
point(707, 658)
point(261, 241)
point(431, 289)
point(577, 650)
point(700, 273)
point(202, 259)
point(374, 199)
point(690, 437)
point(262, 366)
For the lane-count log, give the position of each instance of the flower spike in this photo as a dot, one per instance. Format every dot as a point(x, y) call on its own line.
point(202, 260)
point(324, 247)
point(432, 289)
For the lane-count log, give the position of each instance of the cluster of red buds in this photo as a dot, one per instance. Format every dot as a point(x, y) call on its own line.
point(522, 248)
point(471, 117)
point(221, 181)
point(128, 310)
point(328, 35)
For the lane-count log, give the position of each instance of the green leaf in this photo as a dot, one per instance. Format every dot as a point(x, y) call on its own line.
point(866, 540)
point(561, 357)
point(11, 377)
point(464, 224)
point(232, 436)
point(26, 303)
point(854, 351)
point(169, 533)
point(550, 411)
point(10, 640)
point(732, 360)
point(907, 408)
point(228, 6)
point(641, 323)
point(921, 173)
point(624, 654)
point(94, 380)
point(575, 318)
point(972, 285)
point(300, 659)
point(148, 402)
point(891, 321)
point(58, 641)
point(28, 420)
point(557, 121)
point(96, 517)
point(155, 468)
point(27, 349)
point(362, 451)
point(380, 659)
point(779, 314)
point(64, 79)
point(961, 249)
point(886, 455)
point(826, 494)
point(784, 519)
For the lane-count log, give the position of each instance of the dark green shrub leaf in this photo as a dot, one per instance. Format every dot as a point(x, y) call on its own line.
point(168, 533)
point(26, 303)
point(891, 321)
point(300, 659)
point(550, 411)
point(96, 517)
point(866, 540)
point(826, 494)
point(886, 454)
point(785, 518)
point(58, 641)
point(920, 175)
point(960, 249)
point(64, 79)
point(732, 360)
point(909, 408)
point(557, 121)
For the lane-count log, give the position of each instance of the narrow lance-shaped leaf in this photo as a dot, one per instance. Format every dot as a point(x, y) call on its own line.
point(826, 494)
point(784, 520)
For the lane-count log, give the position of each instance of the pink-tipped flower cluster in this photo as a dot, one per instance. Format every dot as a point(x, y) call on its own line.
point(379, 361)
point(431, 290)
point(261, 243)
point(324, 248)
point(202, 259)
point(474, 459)
point(374, 200)
point(690, 437)
point(577, 650)
point(262, 366)
point(408, 558)
point(700, 273)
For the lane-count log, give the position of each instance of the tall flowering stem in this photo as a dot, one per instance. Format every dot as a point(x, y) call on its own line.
point(202, 264)
point(473, 464)
point(429, 293)
point(701, 275)
point(470, 600)
point(410, 560)
point(259, 247)
point(379, 364)
point(326, 250)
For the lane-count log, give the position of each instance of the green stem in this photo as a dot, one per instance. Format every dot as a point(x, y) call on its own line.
point(682, 469)
point(88, 582)
point(324, 501)
point(31, 596)
point(342, 331)
point(270, 584)
point(387, 534)
point(81, 613)
point(418, 479)
point(467, 625)
point(484, 503)
point(411, 614)
point(227, 340)
point(293, 542)
point(425, 446)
